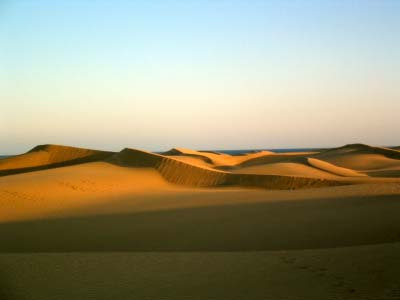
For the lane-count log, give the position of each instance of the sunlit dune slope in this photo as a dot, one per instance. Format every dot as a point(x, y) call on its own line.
point(59, 190)
point(361, 157)
point(99, 207)
point(179, 172)
point(326, 166)
point(48, 156)
point(286, 169)
point(373, 161)
point(140, 201)
point(232, 219)
point(296, 157)
point(215, 159)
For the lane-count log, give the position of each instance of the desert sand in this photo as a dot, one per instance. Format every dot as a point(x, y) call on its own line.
point(185, 224)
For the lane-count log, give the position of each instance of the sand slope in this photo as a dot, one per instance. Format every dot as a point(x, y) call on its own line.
point(361, 157)
point(286, 169)
point(216, 159)
point(200, 225)
point(49, 156)
point(363, 272)
point(182, 173)
point(326, 166)
point(104, 207)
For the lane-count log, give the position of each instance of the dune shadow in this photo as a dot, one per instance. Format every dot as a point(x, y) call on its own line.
point(7, 292)
point(246, 227)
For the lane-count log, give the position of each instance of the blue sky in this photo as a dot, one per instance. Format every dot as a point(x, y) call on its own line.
point(199, 74)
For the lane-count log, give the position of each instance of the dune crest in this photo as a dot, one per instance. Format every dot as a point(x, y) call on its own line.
point(360, 157)
point(362, 149)
point(48, 156)
point(331, 168)
point(178, 172)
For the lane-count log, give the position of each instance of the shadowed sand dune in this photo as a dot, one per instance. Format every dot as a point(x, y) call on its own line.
point(363, 272)
point(273, 225)
point(49, 156)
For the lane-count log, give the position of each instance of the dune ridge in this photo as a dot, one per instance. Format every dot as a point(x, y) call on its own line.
point(261, 169)
point(217, 159)
point(361, 157)
point(331, 168)
point(362, 148)
point(49, 156)
point(178, 172)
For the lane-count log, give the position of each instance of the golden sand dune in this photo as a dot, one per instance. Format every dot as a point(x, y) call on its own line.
point(286, 169)
point(59, 190)
point(101, 206)
point(260, 162)
point(328, 167)
point(47, 156)
point(178, 172)
point(361, 157)
point(277, 158)
point(193, 220)
point(193, 212)
point(135, 181)
point(362, 148)
point(216, 159)
point(183, 152)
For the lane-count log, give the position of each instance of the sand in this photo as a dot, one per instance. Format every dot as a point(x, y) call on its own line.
point(365, 272)
point(190, 224)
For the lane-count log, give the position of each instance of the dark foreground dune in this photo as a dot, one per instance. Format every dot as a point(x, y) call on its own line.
point(87, 224)
point(364, 272)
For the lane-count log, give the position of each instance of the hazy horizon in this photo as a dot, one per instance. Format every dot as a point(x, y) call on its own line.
point(198, 74)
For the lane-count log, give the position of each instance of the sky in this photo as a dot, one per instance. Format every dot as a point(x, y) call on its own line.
point(199, 74)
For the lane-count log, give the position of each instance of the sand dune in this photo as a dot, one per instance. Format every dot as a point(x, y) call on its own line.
point(363, 272)
point(362, 148)
point(178, 172)
point(286, 169)
point(214, 158)
point(328, 167)
point(108, 215)
point(263, 222)
point(55, 191)
point(361, 157)
point(256, 227)
point(217, 159)
point(277, 158)
point(49, 156)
